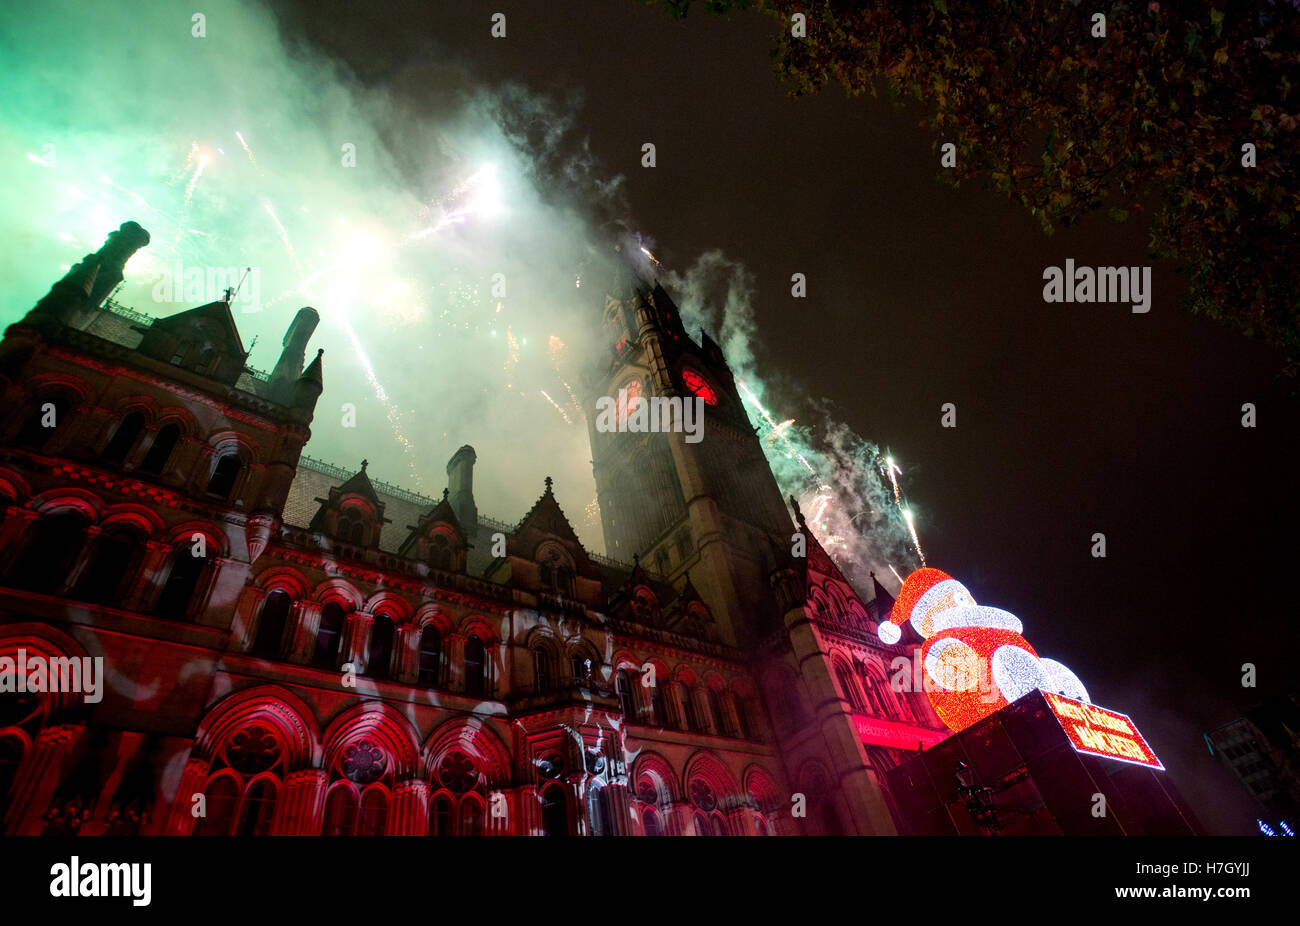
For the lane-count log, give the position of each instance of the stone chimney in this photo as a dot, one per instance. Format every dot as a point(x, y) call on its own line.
point(293, 356)
point(460, 484)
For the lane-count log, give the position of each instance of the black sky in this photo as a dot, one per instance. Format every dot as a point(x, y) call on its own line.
point(1072, 419)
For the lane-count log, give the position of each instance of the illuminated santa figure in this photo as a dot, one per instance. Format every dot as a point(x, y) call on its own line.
point(976, 662)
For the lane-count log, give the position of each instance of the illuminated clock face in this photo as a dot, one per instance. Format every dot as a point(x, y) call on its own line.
point(627, 397)
point(695, 382)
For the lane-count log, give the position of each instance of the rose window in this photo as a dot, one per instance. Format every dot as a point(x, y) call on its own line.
point(252, 750)
point(364, 762)
point(457, 773)
point(702, 795)
point(647, 792)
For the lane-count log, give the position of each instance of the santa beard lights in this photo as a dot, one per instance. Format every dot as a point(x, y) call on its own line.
point(975, 660)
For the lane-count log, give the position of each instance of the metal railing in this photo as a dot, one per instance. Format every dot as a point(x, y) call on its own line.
point(118, 309)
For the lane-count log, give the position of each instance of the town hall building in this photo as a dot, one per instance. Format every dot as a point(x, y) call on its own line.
point(290, 647)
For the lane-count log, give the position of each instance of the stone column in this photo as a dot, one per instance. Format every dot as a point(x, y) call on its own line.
point(247, 612)
point(79, 563)
point(200, 609)
point(529, 821)
point(100, 426)
point(676, 819)
point(406, 654)
point(678, 703)
point(619, 802)
point(730, 720)
point(701, 701)
point(493, 670)
point(454, 661)
point(181, 469)
point(302, 803)
point(740, 822)
point(302, 636)
point(37, 778)
point(867, 812)
point(356, 639)
point(411, 808)
point(182, 820)
point(199, 470)
point(153, 573)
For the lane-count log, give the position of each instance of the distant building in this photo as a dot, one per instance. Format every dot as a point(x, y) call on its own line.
point(294, 648)
point(1262, 749)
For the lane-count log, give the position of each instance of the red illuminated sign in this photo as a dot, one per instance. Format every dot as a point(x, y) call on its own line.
point(876, 732)
point(1100, 732)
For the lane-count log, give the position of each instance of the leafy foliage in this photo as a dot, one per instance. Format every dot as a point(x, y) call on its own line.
point(1153, 115)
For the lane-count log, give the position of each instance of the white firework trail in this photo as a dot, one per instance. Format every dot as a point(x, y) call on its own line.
point(556, 406)
point(391, 412)
point(247, 150)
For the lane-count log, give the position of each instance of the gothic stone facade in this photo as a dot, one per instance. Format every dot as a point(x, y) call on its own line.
point(291, 648)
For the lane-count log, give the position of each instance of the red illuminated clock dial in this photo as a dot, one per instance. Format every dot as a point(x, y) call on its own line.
point(627, 394)
point(695, 382)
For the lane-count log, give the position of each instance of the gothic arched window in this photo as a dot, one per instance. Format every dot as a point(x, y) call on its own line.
point(440, 553)
point(555, 812)
point(743, 729)
point(340, 811)
point(271, 624)
point(690, 721)
point(111, 562)
point(183, 582)
point(474, 666)
point(430, 656)
point(541, 670)
point(124, 438)
point(626, 696)
point(650, 822)
point(44, 421)
point(160, 450)
point(374, 813)
point(221, 799)
point(328, 634)
point(657, 710)
point(879, 696)
point(598, 811)
point(258, 810)
point(52, 552)
point(379, 658)
point(849, 685)
point(717, 720)
point(224, 475)
point(351, 528)
point(440, 819)
point(471, 816)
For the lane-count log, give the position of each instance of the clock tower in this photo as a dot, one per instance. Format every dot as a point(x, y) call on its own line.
point(709, 510)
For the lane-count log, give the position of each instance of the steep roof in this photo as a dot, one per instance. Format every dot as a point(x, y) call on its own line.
point(359, 484)
point(547, 518)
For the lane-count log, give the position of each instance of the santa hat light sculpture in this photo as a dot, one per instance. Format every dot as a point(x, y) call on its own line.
point(975, 660)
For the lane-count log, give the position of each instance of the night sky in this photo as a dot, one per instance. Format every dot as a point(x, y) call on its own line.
point(1071, 418)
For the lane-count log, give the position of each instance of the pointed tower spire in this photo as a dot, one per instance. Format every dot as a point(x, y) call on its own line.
point(882, 602)
point(309, 386)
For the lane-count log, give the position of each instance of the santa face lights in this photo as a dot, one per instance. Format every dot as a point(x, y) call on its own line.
point(976, 662)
